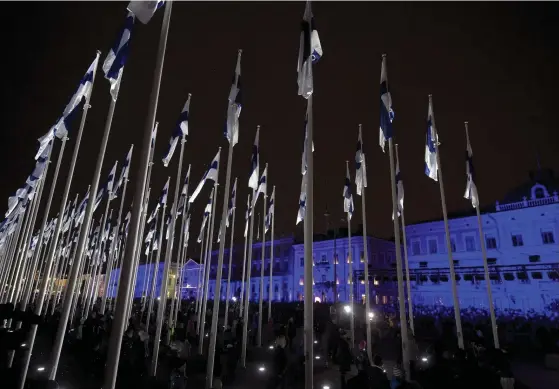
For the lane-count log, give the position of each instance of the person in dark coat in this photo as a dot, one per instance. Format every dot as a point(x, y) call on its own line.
point(344, 358)
point(377, 376)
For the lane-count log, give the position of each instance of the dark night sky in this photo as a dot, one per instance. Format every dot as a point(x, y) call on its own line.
point(493, 64)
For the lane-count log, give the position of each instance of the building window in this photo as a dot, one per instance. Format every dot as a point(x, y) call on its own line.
point(302, 261)
point(423, 264)
point(323, 259)
point(452, 245)
point(324, 278)
point(432, 246)
point(470, 243)
point(416, 248)
point(490, 242)
point(517, 240)
point(547, 237)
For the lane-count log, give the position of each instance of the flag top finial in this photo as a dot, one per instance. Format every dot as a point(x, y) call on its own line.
point(240, 51)
point(383, 55)
point(189, 95)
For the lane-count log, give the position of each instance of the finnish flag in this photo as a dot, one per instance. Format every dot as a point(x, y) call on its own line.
point(211, 174)
point(304, 158)
point(181, 131)
point(125, 170)
point(386, 112)
point(144, 10)
point(310, 51)
point(254, 162)
point(471, 189)
point(302, 200)
point(232, 202)
point(262, 185)
point(164, 192)
point(114, 63)
point(360, 166)
point(399, 188)
point(111, 181)
point(98, 199)
point(270, 214)
point(348, 197)
point(247, 216)
point(235, 105)
point(431, 164)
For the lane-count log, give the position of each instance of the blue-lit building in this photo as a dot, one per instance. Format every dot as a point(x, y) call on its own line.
point(521, 234)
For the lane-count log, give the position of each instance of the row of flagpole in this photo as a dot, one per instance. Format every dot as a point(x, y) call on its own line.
point(125, 251)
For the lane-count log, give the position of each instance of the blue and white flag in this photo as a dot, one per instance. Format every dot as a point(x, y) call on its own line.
point(304, 159)
point(471, 189)
point(125, 170)
point(254, 162)
point(144, 10)
point(154, 136)
point(348, 197)
point(114, 63)
point(164, 192)
point(431, 164)
point(386, 112)
point(235, 105)
point(302, 200)
point(310, 51)
point(153, 214)
point(81, 209)
point(168, 229)
point(270, 214)
point(207, 212)
point(232, 202)
point(98, 199)
point(360, 166)
point(211, 174)
point(247, 215)
point(181, 131)
point(111, 181)
point(262, 185)
point(186, 232)
point(399, 188)
point(184, 192)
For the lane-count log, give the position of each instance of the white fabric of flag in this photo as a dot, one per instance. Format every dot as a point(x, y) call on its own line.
point(211, 174)
point(386, 112)
point(254, 162)
point(360, 166)
point(235, 105)
point(186, 180)
point(125, 171)
point(181, 130)
point(164, 192)
point(304, 158)
point(431, 165)
point(471, 189)
point(262, 186)
point(186, 231)
point(98, 199)
point(348, 197)
point(81, 209)
point(168, 229)
point(232, 202)
point(399, 189)
point(111, 180)
point(116, 58)
point(207, 213)
point(302, 200)
point(153, 214)
point(310, 51)
point(247, 216)
point(270, 214)
point(144, 10)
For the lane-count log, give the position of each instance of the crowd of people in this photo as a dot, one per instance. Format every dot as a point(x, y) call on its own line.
point(436, 361)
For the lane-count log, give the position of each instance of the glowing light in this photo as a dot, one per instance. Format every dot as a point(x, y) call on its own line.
point(371, 315)
point(234, 298)
point(316, 342)
point(317, 357)
point(271, 347)
point(347, 309)
point(159, 298)
point(261, 369)
point(41, 368)
point(23, 344)
point(317, 299)
point(326, 387)
point(424, 359)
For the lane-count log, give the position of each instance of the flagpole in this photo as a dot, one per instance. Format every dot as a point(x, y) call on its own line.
point(272, 221)
point(242, 296)
point(153, 294)
point(228, 291)
point(56, 232)
point(404, 242)
point(201, 277)
point(247, 289)
point(208, 267)
point(262, 265)
point(485, 265)
point(366, 263)
point(350, 278)
point(447, 236)
point(147, 274)
point(169, 251)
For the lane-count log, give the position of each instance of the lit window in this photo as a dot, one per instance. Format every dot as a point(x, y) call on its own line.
point(336, 259)
point(517, 240)
point(362, 257)
point(470, 243)
point(432, 246)
point(547, 237)
point(301, 282)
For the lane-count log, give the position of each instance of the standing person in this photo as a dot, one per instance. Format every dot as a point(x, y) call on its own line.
point(344, 358)
point(291, 332)
point(378, 377)
point(280, 364)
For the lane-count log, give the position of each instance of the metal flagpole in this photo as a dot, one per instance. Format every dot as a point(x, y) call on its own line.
point(400, 276)
point(485, 265)
point(308, 238)
point(153, 294)
point(242, 296)
point(217, 294)
point(228, 291)
point(404, 242)
point(272, 221)
point(262, 266)
point(350, 280)
point(247, 288)
point(366, 262)
point(56, 232)
point(447, 235)
point(201, 278)
point(169, 251)
point(208, 267)
point(204, 290)
point(147, 275)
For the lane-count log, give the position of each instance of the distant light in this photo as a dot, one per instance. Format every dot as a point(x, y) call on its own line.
point(371, 315)
point(234, 298)
point(261, 369)
point(424, 359)
point(325, 387)
point(159, 298)
point(317, 357)
point(347, 309)
point(207, 335)
point(41, 368)
point(316, 342)
point(23, 344)
point(271, 347)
